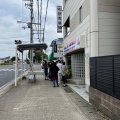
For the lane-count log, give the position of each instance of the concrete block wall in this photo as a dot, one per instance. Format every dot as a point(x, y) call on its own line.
point(107, 104)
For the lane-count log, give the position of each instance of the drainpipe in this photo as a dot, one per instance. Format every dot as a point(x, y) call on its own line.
point(94, 27)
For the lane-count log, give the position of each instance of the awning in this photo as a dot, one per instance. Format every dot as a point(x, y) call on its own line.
point(31, 46)
point(51, 57)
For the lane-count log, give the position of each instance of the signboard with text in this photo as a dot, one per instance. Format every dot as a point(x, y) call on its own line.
point(59, 19)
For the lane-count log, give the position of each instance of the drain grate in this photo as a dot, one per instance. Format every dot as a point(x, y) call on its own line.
point(68, 89)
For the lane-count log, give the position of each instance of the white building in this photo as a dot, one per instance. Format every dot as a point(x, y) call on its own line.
point(90, 28)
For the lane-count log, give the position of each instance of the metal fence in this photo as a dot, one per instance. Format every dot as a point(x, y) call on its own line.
point(105, 74)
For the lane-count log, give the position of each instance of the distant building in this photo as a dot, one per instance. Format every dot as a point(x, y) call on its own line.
point(6, 59)
point(57, 49)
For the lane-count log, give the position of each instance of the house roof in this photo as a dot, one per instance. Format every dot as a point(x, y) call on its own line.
point(6, 58)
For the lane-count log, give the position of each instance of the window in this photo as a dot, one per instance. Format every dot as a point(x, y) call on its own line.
point(81, 14)
point(67, 27)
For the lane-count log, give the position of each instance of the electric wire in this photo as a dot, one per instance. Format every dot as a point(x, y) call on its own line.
point(45, 18)
point(22, 10)
point(40, 18)
point(39, 12)
point(14, 37)
point(35, 25)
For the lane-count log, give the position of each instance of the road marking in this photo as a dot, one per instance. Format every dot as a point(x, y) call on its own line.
point(11, 70)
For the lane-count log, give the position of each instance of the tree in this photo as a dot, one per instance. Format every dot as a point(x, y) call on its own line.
point(45, 56)
point(38, 56)
point(14, 58)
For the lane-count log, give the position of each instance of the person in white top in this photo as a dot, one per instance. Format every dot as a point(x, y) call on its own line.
point(59, 65)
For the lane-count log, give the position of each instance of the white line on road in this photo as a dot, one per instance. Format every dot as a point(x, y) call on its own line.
point(10, 70)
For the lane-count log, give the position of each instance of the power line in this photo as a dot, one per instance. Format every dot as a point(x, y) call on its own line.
point(40, 17)
point(39, 7)
point(45, 18)
point(14, 37)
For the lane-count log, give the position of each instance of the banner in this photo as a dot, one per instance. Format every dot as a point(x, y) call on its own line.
point(73, 45)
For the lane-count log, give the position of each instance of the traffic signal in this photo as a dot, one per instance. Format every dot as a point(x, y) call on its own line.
point(18, 41)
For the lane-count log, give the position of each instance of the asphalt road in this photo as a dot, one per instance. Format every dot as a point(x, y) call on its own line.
point(7, 73)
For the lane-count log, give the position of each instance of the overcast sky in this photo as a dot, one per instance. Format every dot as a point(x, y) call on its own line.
point(12, 11)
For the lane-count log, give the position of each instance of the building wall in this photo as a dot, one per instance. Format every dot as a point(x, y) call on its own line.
point(109, 27)
point(77, 29)
point(109, 105)
point(1, 61)
point(70, 8)
point(75, 21)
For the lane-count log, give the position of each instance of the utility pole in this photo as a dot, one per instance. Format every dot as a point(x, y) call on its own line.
point(29, 5)
point(31, 30)
point(38, 19)
point(30, 25)
point(42, 42)
point(41, 20)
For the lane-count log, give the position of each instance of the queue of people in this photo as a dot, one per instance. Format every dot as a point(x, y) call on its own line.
point(56, 72)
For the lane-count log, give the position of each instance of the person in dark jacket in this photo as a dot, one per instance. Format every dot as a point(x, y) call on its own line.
point(50, 66)
point(45, 66)
point(54, 74)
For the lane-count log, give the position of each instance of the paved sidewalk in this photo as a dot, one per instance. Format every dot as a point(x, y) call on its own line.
point(38, 101)
point(81, 90)
point(41, 101)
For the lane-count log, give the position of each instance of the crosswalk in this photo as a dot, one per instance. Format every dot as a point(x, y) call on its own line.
point(11, 70)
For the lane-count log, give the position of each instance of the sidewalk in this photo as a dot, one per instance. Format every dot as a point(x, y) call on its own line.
point(41, 101)
point(80, 89)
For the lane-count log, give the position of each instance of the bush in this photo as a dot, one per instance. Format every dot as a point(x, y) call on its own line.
point(69, 71)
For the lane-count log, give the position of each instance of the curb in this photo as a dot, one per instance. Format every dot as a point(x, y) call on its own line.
point(4, 89)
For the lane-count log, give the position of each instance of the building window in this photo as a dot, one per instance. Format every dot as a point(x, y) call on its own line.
point(67, 27)
point(81, 14)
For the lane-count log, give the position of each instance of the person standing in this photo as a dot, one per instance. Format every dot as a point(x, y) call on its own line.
point(59, 64)
point(45, 66)
point(50, 66)
point(54, 74)
point(64, 72)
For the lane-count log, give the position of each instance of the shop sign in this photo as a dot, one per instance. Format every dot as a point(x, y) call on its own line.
point(74, 45)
